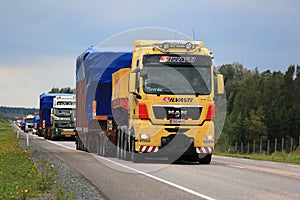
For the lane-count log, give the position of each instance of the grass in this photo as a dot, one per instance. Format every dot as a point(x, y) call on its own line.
point(293, 158)
point(20, 176)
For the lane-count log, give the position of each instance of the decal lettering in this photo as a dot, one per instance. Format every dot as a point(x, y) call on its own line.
point(180, 100)
point(173, 59)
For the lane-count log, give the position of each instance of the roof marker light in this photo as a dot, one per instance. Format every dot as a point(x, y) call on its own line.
point(166, 45)
point(188, 45)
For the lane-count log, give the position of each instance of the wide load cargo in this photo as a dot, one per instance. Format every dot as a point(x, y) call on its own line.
point(94, 118)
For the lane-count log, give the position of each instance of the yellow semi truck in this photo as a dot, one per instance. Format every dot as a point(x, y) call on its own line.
point(163, 105)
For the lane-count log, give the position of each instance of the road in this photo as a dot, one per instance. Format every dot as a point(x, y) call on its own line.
point(224, 178)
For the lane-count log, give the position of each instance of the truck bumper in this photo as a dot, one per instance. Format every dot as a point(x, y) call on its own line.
point(64, 133)
point(199, 139)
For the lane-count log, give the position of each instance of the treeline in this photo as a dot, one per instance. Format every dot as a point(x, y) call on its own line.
point(67, 90)
point(17, 112)
point(12, 112)
point(261, 105)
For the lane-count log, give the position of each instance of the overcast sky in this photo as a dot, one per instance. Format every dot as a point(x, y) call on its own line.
point(40, 39)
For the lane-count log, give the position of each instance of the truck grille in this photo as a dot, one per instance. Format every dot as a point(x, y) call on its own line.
point(177, 112)
point(62, 125)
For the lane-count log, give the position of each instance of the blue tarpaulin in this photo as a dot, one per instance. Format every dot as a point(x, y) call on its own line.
point(96, 66)
point(36, 119)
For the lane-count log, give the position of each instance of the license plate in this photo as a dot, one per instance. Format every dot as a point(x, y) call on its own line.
point(67, 133)
point(177, 121)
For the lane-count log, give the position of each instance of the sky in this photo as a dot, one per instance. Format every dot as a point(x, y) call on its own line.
point(40, 39)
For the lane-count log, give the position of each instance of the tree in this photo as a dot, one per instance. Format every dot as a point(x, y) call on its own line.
point(261, 105)
point(67, 90)
point(254, 126)
point(272, 101)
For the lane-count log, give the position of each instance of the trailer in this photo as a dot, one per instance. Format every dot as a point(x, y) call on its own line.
point(36, 124)
point(95, 124)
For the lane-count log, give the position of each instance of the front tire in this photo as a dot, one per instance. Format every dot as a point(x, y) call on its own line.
point(205, 160)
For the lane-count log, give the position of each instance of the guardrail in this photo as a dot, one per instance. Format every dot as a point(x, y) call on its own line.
point(260, 146)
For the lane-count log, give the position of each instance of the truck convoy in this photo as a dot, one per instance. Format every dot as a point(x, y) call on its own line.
point(155, 100)
point(56, 115)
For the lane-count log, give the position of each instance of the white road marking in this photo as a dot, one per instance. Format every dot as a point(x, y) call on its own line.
point(61, 145)
point(236, 166)
point(159, 179)
point(146, 174)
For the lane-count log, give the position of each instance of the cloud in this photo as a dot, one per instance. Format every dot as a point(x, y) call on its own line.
point(39, 38)
point(21, 84)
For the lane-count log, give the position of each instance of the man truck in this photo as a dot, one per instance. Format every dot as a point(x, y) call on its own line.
point(56, 115)
point(159, 101)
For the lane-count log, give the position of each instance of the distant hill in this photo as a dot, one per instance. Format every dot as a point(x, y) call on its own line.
point(12, 112)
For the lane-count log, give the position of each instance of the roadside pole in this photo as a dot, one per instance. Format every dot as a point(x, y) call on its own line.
point(27, 138)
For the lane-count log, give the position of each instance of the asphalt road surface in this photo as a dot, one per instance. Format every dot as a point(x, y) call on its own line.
point(224, 178)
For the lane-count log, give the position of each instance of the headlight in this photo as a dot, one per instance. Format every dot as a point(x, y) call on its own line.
point(208, 137)
point(144, 136)
point(166, 45)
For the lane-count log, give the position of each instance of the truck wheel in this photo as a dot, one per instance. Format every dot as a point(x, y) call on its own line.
point(52, 137)
point(77, 143)
point(118, 144)
point(132, 150)
point(126, 149)
point(206, 159)
point(104, 146)
point(46, 134)
point(99, 145)
point(122, 146)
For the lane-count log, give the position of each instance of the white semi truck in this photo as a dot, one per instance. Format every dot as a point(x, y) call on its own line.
point(28, 123)
point(56, 115)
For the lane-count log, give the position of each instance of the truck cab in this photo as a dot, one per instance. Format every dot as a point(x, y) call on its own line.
point(62, 116)
point(28, 123)
point(171, 100)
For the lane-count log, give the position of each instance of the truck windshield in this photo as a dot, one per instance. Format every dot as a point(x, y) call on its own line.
point(177, 79)
point(62, 112)
point(29, 120)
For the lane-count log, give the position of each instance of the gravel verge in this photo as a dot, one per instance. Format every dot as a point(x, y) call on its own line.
point(74, 183)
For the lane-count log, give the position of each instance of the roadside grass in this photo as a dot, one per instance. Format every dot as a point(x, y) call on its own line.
point(20, 176)
point(293, 158)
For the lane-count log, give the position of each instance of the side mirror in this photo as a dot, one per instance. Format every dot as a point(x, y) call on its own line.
point(220, 84)
point(144, 73)
point(132, 82)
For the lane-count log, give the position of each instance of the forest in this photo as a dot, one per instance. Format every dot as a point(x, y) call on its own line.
point(261, 105)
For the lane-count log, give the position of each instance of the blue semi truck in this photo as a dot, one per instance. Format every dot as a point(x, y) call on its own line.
point(56, 115)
